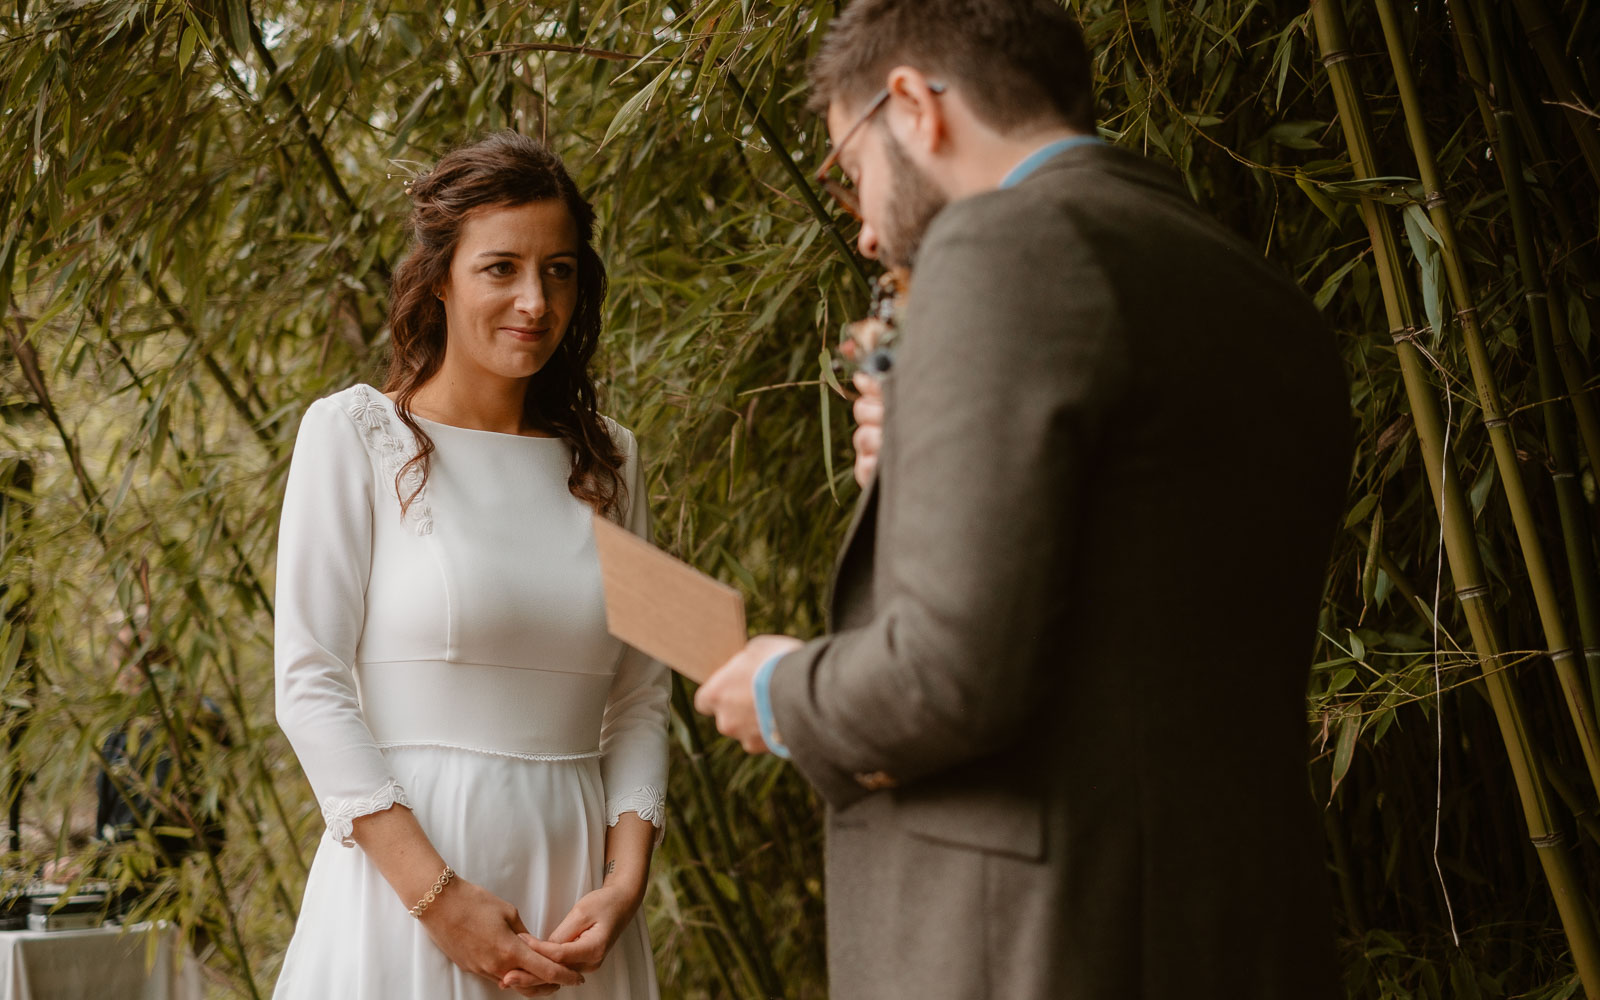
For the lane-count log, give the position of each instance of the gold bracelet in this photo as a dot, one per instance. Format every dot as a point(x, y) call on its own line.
point(433, 894)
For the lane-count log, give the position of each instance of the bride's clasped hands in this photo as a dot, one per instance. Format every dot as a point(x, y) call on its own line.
point(583, 939)
point(484, 935)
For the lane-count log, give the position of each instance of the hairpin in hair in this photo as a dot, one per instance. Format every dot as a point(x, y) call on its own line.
point(410, 182)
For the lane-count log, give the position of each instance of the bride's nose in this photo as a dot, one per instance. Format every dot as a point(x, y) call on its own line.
point(530, 300)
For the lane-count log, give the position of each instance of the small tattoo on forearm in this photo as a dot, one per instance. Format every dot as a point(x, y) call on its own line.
point(611, 866)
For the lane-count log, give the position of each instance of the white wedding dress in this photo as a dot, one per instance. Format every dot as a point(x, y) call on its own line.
point(455, 660)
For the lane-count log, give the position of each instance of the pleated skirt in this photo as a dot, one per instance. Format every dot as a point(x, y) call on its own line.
point(531, 831)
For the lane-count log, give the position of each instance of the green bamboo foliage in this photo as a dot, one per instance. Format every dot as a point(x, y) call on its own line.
point(1470, 582)
point(1562, 213)
point(1546, 596)
point(1568, 492)
point(200, 204)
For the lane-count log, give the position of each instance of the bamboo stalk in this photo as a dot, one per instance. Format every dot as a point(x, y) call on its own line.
point(768, 975)
point(1450, 500)
point(1572, 374)
point(1546, 40)
point(1582, 811)
point(1574, 245)
point(1490, 406)
point(743, 954)
point(719, 961)
point(1575, 534)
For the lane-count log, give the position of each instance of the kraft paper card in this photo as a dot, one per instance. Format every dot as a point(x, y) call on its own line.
point(666, 608)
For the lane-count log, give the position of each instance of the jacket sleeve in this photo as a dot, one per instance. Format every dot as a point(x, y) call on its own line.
point(992, 407)
point(633, 732)
point(324, 561)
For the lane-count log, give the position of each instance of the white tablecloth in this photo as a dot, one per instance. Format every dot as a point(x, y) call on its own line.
point(106, 963)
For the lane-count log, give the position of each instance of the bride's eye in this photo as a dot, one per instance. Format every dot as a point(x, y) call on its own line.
point(500, 268)
point(562, 270)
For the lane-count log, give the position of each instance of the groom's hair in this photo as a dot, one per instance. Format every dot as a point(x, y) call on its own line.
point(1020, 62)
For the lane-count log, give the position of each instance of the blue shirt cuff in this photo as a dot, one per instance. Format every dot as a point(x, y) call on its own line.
point(762, 685)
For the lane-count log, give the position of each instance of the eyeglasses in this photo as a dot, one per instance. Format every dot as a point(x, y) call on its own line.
point(841, 190)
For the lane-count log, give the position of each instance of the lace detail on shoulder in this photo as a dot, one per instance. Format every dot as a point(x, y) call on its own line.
point(650, 802)
point(341, 814)
point(377, 429)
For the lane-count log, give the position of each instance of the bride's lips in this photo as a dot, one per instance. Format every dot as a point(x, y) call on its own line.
point(527, 334)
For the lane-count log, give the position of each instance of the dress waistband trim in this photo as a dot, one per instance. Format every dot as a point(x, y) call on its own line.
point(519, 712)
point(436, 745)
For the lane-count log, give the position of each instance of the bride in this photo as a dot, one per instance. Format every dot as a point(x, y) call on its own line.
point(491, 764)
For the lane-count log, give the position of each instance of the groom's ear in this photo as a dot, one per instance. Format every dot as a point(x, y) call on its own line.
point(916, 115)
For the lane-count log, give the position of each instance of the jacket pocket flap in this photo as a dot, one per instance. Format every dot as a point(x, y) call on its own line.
point(980, 816)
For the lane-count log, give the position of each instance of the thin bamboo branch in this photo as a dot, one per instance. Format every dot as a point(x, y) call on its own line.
point(1577, 803)
point(232, 682)
point(14, 517)
point(743, 954)
point(719, 961)
point(176, 730)
point(1450, 499)
point(241, 562)
point(1546, 40)
point(768, 974)
point(775, 142)
point(1526, 124)
point(302, 122)
point(1546, 598)
point(1578, 393)
point(1569, 493)
point(1575, 245)
point(181, 319)
point(236, 695)
point(29, 360)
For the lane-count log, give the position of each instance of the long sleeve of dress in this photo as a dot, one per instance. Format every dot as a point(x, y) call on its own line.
point(633, 735)
point(324, 560)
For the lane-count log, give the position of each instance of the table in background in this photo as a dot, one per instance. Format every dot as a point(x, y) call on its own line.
point(103, 963)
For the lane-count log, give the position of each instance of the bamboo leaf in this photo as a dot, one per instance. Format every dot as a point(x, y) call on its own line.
point(634, 106)
point(402, 32)
point(239, 25)
point(186, 47)
point(1424, 249)
point(1344, 750)
point(1362, 508)
point(825, 365)
point(1331, 286)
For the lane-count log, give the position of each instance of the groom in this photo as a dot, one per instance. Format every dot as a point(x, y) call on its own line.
point(1059, 721)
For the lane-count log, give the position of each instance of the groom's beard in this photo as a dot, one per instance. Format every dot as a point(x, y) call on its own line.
point(914, 201)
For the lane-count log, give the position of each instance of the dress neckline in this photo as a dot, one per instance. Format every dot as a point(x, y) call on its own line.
point(456, 427)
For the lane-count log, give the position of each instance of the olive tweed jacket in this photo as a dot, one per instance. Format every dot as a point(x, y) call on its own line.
point(1059, 721)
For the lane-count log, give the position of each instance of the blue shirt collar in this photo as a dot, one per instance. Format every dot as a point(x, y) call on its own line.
point(1036, 159)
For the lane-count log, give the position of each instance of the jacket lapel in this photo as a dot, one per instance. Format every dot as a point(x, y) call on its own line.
point(860, 530)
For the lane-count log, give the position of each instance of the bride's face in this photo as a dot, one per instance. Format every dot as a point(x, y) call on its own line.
point(512, 289)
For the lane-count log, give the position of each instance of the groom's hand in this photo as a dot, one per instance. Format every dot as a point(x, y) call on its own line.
point(868, 438)
point(729, 694)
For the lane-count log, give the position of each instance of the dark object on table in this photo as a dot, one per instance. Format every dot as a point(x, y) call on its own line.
point(118, 813)
point(66, 913)
point(14, 910)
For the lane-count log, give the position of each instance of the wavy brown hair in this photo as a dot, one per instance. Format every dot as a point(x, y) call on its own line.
point(503, 169)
